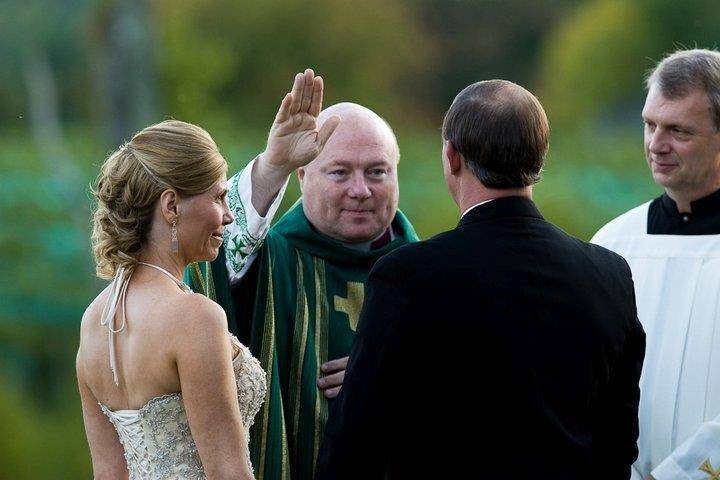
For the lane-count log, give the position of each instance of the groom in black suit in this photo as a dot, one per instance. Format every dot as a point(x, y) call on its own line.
point(502, 349)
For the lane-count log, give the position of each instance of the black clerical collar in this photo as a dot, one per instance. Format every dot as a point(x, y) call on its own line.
point(665, 219)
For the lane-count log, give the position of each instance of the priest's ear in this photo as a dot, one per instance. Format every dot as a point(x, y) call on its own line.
point(452, 157)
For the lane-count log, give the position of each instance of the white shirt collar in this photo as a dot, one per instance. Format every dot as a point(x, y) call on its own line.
point(474, 206)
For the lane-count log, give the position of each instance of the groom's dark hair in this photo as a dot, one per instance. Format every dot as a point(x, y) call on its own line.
point(501, 131)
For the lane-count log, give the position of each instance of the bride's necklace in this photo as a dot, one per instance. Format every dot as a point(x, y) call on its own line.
point(118, 289)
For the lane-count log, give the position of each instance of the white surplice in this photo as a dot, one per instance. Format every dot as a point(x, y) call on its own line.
point(677, 285)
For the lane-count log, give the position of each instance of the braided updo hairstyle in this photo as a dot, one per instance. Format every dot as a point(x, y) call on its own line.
point(169, 155)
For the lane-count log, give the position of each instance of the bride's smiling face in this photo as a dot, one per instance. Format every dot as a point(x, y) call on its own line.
point(201, 222)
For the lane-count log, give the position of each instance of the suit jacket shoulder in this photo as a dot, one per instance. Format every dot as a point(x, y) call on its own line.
point(412, 261)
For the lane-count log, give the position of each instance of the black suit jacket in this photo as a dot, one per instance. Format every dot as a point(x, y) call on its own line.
point(503, 349)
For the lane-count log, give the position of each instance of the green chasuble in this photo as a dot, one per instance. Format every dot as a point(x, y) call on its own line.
point(309, 292)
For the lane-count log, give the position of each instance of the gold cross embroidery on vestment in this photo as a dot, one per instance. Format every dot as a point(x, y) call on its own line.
point(351, 305)
point(708, 468)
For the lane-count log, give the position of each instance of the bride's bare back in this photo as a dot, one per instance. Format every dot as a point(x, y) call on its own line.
point(145, 349)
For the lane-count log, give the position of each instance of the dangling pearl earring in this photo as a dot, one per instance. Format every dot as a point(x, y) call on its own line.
point(174, 237)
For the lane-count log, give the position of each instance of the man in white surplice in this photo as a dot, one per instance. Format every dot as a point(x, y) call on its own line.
point(673, 247)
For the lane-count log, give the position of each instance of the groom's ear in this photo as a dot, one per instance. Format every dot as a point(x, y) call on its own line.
point(455, 158)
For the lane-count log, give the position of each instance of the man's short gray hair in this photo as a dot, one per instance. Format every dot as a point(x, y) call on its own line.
point(685, 70)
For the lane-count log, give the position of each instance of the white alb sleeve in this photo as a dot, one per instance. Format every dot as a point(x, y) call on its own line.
point(244, 237)
point(698, 458)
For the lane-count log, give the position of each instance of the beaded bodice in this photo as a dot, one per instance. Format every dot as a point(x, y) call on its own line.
point(156, 438)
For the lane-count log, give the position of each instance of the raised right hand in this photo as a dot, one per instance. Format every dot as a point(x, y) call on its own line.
point(294, 139)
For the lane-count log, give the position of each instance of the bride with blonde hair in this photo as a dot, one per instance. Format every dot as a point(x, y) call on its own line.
point(166, 391)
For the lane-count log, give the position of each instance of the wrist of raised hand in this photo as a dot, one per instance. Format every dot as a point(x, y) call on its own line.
point(272, 167)
point(267, 181)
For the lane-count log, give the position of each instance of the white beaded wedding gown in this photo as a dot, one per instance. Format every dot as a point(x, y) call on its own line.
point(156, 438)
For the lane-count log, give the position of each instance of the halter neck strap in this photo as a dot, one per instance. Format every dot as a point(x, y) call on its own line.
point(179, 283)
point(118, 291)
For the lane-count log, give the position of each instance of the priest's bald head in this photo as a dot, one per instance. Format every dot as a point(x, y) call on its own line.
point(682, 125)
point(350, 191)
point(495, 138)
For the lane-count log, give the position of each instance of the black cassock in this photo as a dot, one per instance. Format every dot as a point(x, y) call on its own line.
point(503, 349)
point(665, 219)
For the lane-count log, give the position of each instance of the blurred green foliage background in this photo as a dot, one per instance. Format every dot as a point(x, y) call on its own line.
point(78, 77)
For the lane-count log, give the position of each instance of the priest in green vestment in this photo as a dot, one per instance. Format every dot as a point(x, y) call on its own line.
point(293, 292)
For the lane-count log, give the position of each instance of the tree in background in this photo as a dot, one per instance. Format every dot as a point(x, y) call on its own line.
point(481, 40)
point(122, 54)
point(222, 62)
point(594, 64)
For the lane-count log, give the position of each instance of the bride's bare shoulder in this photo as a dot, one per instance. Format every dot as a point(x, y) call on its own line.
point(92, 313)
point(89, 346)
point(200, 325)
point(197, 312)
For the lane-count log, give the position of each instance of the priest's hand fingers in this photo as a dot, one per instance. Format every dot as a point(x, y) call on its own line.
point(294, 139)
point(331, 381)
point(334, 365)
point(317, 97)
point(283, 113)
point(326, 131)
point(332, 392)
point(297, 91)
point(308, 90)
